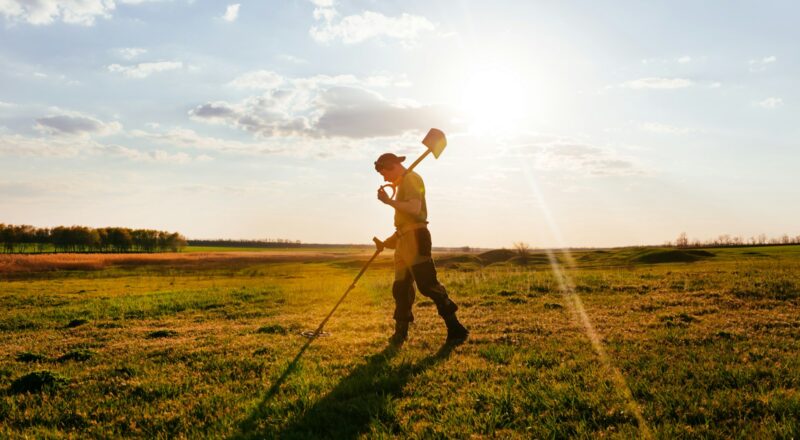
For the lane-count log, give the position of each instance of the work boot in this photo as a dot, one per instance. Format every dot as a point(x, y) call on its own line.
point(400, 333)
point(456, 333)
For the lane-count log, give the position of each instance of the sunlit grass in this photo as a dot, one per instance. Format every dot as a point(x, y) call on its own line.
point(707, 349)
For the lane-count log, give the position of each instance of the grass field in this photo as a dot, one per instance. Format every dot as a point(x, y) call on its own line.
point(620, 343)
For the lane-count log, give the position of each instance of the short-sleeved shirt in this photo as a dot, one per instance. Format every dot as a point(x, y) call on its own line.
point(411, 187)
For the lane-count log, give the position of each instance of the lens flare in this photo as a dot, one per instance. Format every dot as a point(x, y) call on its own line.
point(567, 287)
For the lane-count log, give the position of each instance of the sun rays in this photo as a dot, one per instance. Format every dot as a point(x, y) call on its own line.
point(573, 301)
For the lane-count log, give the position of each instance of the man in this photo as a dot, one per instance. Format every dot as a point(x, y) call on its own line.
point(412, 256)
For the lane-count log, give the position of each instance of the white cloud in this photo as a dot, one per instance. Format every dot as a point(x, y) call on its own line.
point(260, 79)
point(587, 160)
point(18, 145)
point(143, 70)
point(130, 53)
point(150, 156)
point(565, 154)
point(6, 104)
point(294, 147)
point(44, 12)
point(357, 28)
point(319, 106)
point(268, 80)
point(685, 59)
point(66, 147)
point(75, 124)
point(357, 113)
point(139, 2)
point(231, 13)
point(187, 138)
point(387, 81)
point(658, 83)
point(760, 65)
point(656, 127)
point(292, 59)
point(771, 103)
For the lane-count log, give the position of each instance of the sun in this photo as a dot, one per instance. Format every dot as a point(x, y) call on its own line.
point(493, 99)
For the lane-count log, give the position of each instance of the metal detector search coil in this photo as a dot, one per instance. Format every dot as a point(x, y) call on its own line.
point(311, 334)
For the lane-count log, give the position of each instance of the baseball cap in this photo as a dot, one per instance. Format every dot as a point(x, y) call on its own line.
point(387, 159)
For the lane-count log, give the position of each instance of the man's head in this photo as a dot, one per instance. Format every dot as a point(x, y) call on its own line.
point(390, 166)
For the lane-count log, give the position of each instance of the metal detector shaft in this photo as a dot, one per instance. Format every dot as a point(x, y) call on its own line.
point(379, 244)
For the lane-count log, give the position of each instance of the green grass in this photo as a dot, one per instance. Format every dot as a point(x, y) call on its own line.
point(705, 349)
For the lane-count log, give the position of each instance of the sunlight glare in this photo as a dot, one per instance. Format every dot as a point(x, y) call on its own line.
point(494, 100)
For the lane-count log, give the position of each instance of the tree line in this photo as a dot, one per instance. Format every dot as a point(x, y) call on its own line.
point(726, 240)
point(27, 238)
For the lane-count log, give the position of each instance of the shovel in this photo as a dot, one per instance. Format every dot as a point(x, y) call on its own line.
point(435, 143)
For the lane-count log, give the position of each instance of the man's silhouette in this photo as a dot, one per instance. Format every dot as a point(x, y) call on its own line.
point(412, 256)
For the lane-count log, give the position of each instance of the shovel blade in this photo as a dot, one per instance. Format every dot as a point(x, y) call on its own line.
point(435, 141)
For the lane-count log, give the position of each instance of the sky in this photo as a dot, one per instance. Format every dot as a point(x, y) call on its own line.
point(569, 123)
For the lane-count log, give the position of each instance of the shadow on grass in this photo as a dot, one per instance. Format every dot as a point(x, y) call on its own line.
point(363, 398)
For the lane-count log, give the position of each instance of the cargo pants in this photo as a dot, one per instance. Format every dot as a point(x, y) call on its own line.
point(413, 264)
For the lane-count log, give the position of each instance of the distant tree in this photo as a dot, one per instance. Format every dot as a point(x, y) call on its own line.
point(682, 241)
point(7, 237)
point(102, 239)
point(144, 240)
point(120, 239)
point(175, 242)
point(523, 251)
point(58, 236)
point(42, 239)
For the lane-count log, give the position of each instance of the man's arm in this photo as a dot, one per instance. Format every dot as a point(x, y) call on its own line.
point(413, 206)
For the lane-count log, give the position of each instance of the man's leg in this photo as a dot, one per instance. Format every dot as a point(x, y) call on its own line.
point(424, 272)
point(429, 285)
point(404, 294)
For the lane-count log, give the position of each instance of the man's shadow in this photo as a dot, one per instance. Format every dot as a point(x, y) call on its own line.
point(347, 411)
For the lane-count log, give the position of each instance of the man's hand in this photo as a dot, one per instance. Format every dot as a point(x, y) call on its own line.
point(379, 245)
point(391, 242)
point(383, 197)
